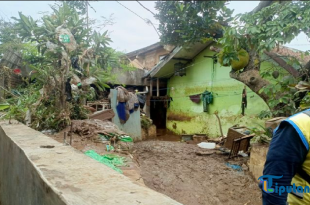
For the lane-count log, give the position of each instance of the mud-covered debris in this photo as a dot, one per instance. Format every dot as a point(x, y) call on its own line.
point(244, 167)
point(51, 132)
point(203, 153)
point(219, 140)
point(93, 127)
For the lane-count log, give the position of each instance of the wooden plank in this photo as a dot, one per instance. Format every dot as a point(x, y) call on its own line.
point(151, 87)
point(157, 82)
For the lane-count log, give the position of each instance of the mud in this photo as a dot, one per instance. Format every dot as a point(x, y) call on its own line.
point(175, 169)
point(84, 144)
point(178, 117)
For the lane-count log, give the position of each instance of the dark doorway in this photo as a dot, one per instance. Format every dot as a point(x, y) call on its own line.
point(158, 112)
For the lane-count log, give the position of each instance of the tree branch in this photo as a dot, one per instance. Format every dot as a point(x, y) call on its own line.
point(283, 64)
point(260, 6)
point(307, 66)
point(253, 80)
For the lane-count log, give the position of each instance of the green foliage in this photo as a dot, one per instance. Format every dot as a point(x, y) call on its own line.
point(43, 114)
point(281, 101)
point(78, 112)
point(305, 103)
point(49, 60)
point(4, 106)
point(183, 22)
point(8, 36)
point(304, 87)
point(79, 6)
point(262, 135)
point(146, 122)
point(274, 25)
point(264, 114)
point(21, 101)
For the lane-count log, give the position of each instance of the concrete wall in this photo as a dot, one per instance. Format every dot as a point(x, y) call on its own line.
point(133, 124)
point(185, 116)
point(152, 58)
point(31, 175)
point(133, 77)
point(258, 159)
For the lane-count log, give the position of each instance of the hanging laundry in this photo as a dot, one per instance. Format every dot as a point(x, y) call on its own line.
point(244, 101)
point(122, 107)
point(207, 98)
point(122, 94)
point(122, 112)
point(133, 102)
point(141, 99)
point(195, 98)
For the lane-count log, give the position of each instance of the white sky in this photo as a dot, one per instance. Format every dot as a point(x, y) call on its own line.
point(129, 31)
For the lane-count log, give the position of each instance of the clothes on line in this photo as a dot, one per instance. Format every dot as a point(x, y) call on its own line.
point(195, 98)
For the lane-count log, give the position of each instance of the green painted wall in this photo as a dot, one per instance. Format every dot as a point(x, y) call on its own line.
point(185, 116)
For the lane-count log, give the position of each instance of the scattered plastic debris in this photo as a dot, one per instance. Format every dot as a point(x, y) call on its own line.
point(207, 145)
point(111, 160)
point(241, 153)
point(125, 138)
point(234, 166)
point(110, 148)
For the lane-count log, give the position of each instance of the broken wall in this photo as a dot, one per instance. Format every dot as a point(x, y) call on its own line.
point(187, 117)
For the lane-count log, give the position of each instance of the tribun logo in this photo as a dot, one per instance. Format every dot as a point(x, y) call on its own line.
point(268, 182)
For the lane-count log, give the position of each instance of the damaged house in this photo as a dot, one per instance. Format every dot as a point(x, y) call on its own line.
point(189, 85)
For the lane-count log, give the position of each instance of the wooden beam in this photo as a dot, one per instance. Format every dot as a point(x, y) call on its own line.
point(157, 87)
point(151, 87)
point(182, 59)
point(283, 64)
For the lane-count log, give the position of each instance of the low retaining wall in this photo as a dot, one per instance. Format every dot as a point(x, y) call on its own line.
point(258, 159)
point(37, 170)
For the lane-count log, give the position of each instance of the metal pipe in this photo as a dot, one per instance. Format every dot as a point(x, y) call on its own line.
point(144, 92)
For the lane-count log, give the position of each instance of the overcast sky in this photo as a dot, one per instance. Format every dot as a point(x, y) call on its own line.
point(129, 32)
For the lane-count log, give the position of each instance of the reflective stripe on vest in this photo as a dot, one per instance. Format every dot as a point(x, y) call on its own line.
point(301, 123)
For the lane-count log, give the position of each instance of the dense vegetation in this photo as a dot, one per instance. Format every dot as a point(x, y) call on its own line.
point(60, 49)
point(247, 40)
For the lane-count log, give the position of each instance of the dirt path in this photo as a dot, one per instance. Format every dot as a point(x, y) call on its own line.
point(174, 169)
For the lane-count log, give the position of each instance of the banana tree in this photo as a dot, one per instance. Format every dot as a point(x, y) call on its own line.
point(59, 38)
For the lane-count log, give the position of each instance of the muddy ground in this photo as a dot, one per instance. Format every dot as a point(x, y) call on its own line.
point(174, 169)
point(84, 144)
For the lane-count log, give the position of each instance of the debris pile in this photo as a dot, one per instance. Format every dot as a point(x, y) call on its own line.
point(104, 132)
point(146, 122)
point(92, 127)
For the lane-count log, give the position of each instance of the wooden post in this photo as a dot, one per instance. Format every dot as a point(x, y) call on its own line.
point(157, 85)
point(151, 87)
point(70, 139)
point(65, 137)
